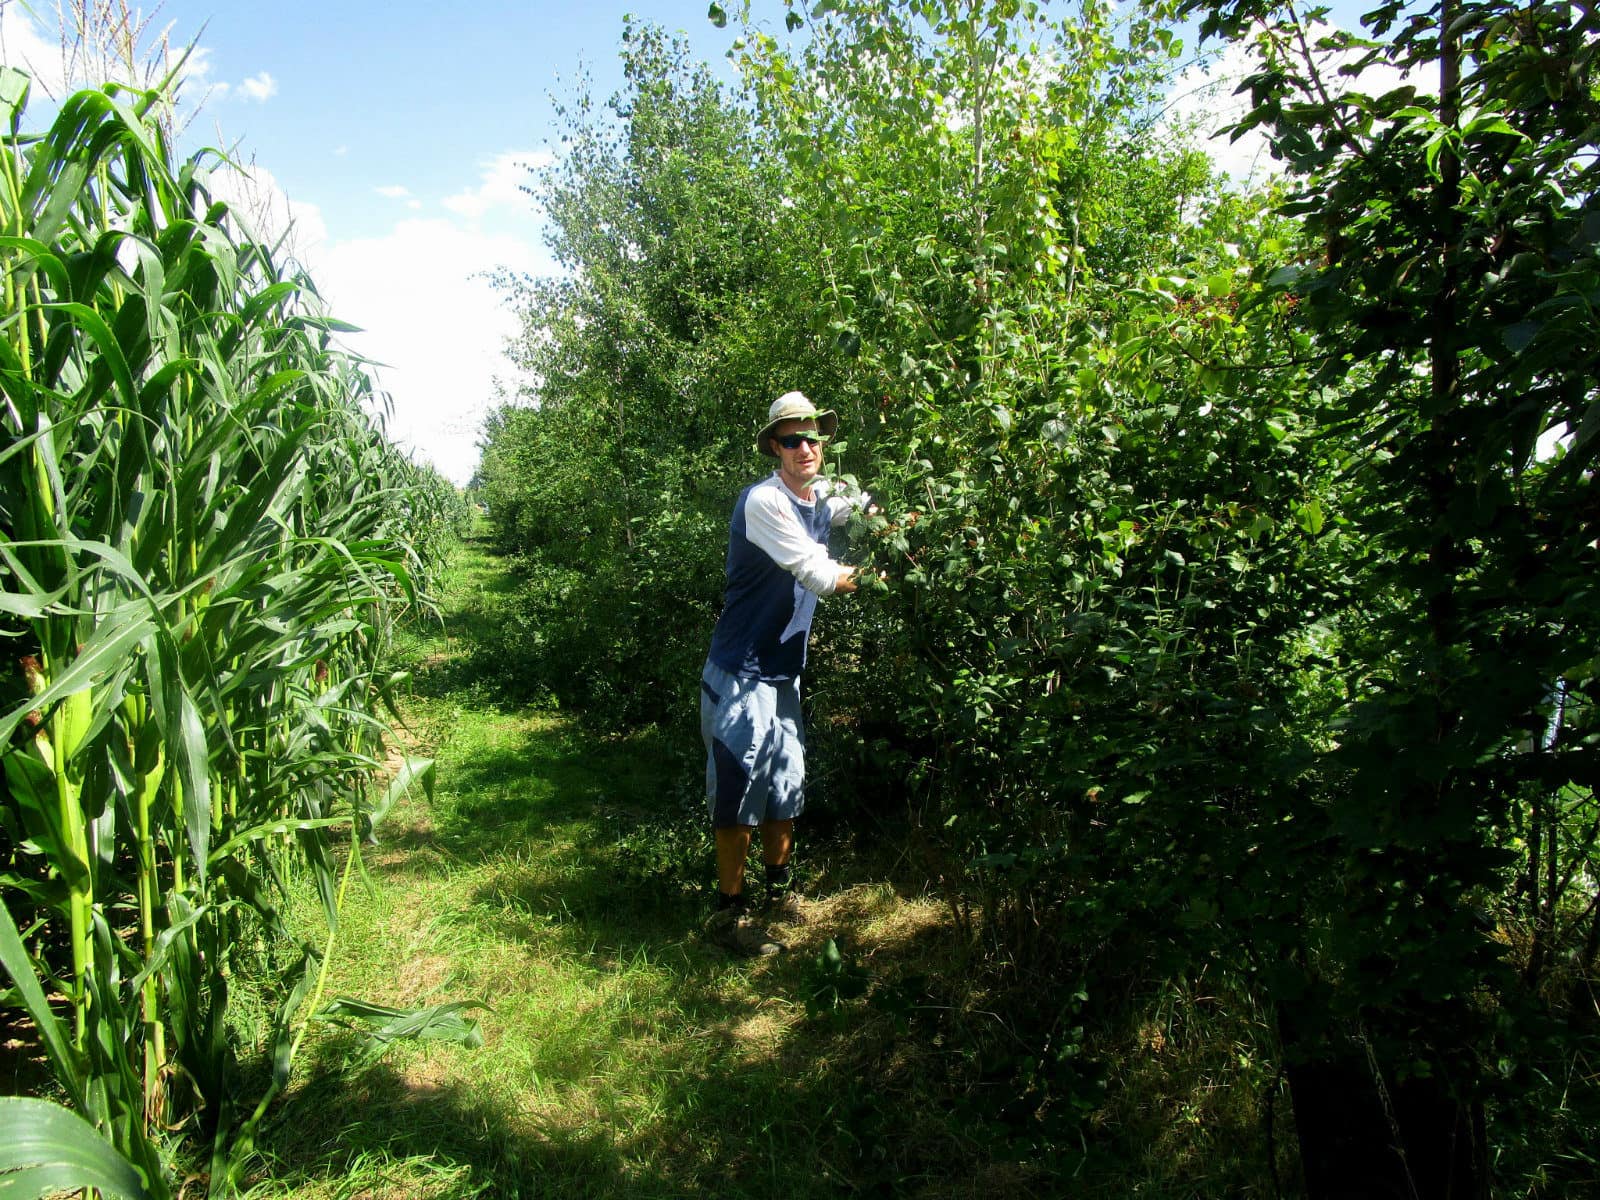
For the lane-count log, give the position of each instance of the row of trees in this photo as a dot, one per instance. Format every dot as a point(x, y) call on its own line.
point(204, 541)
point(1247, 613)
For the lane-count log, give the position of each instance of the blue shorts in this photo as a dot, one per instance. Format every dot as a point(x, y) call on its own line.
point(755, 748)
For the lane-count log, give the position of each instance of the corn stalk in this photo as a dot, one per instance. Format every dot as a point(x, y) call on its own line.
point(203, 541)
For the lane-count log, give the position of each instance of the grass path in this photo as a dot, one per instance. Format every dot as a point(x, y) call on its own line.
point(621, 1056)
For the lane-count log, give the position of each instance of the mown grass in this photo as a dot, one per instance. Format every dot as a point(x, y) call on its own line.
point(559, 880)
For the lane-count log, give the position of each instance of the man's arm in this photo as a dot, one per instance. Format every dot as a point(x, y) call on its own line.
point(844, 499)
point(770, 525)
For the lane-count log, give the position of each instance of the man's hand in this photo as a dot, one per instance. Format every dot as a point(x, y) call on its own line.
point(846, 581)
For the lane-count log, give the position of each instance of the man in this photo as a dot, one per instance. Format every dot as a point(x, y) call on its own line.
point(778, 564)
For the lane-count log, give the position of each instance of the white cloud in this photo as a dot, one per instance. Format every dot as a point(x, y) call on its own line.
point(397, 191)
point(259, 88)
point(433, 323)
point(500, 184)
point(1204, 97)
point(430, 322)
point(23, 46)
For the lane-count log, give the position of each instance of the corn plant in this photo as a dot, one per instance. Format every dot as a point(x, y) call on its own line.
point(202, 544)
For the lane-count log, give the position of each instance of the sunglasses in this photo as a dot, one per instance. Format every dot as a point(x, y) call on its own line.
point(791, 441)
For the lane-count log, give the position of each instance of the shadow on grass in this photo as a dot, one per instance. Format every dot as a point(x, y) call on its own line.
point(385, 1131)
point(683, 1072)
point(835, 1107)
point(380, 1117)
point(597, 834)
point(455, 652)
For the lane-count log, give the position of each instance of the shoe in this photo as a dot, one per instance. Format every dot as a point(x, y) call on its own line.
point(733, 930)
point(784, 907)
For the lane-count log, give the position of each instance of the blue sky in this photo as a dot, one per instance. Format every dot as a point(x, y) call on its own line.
point(396, 134)
point(408, 94)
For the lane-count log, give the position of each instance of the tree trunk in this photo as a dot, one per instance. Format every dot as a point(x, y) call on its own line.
point(1364, 1136)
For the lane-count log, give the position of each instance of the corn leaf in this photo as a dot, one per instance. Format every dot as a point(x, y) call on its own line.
point(49, 1149)
point(65, 1059)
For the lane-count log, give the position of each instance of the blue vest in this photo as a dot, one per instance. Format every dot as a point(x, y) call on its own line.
point(766, 614)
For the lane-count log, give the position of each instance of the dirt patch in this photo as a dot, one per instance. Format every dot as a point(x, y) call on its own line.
point(422, 975)
point(24, 1066)
point(873, 920)
point(761, 1030)
point(407, 844)
point(426, 1078)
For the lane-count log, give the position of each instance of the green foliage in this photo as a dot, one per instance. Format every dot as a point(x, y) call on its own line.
point(655, 355)
point(50, 1149)
point(619, 643)
point(436, 516)
point(1104, 515)
point(203, 541)
point(1457, 214)
point(835, 980)
point(384, 1024)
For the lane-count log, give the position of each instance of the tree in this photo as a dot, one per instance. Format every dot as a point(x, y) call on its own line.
point(671, 328)
point(1458, 216)
point(1107, 524)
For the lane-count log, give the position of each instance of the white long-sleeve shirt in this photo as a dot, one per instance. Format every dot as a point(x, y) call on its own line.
point(771, 524)
point(778, 564)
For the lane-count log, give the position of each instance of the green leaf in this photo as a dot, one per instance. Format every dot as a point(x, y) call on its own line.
point(63, 1056)
point(412, 772)
point(50, 1149)
point(14, 86)
point(385, 1025)
point(1491, 123)
point(277, 827)
point(718, 17)
point(1520, 336)
point(106, 650)
point(1309, 517)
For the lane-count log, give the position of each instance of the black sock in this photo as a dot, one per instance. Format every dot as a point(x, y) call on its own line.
point(726, 901)
point(778, 878)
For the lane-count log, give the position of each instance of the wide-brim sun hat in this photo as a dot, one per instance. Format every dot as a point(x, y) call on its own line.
point(794, 406)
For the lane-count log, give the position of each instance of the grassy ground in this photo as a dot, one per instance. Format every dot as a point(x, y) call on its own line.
point(621, 1056)
point(559, 881)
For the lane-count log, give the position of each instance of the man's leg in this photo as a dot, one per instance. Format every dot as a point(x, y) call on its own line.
point(724, 705)
point(787, 800)
point(777, 842)
point(733, 847)
point(729, 925)
point(780, 902)
point(734, 719)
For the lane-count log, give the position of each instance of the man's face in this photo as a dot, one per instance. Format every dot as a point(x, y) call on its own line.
point(801, 463)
